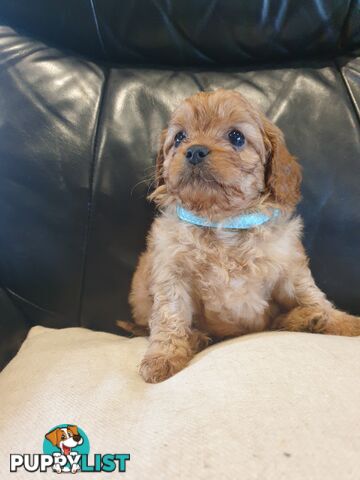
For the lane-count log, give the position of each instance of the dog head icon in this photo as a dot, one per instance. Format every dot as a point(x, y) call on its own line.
point(65, 438)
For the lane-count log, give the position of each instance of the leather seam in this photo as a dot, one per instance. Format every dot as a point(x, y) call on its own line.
point(97, 26)
point(348, 90)
point(345, 25)
point(11, 293)
point(90, 203)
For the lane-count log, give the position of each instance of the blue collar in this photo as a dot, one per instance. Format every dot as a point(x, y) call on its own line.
point(242, 222)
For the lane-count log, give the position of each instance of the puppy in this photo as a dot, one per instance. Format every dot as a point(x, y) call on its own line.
point(224, 257)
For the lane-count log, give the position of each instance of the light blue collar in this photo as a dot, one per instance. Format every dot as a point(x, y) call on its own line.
point(242, 222)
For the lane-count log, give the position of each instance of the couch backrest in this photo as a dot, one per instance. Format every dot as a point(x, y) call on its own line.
point(192, 32)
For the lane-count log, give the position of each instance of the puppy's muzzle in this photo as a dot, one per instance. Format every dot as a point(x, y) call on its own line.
point(196, 154)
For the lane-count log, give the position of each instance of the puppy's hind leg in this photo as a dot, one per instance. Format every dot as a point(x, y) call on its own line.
point(140, 299)
point(308, 308)
point(133, 329)
point(316, 319)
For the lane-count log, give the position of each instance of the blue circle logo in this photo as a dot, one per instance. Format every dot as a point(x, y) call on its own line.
point(66, 438)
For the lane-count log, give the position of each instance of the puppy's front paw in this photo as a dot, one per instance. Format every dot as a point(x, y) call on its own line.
point(155, 368)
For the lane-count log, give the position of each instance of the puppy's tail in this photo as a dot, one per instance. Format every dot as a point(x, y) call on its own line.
point(133, 328)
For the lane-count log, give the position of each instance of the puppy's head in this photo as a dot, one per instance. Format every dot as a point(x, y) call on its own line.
point(65, 438)
point(220, 155)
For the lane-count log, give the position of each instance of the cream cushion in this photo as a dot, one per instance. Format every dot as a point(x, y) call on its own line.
point(264, 406)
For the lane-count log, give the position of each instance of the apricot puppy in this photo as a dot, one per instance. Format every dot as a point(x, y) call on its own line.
point(224, 257)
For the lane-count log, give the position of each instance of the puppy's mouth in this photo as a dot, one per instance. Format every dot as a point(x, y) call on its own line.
point(66, 450)
point(197, 175)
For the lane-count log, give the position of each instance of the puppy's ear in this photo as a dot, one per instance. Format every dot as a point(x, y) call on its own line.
point(283, 173)
point(53, 436)
point(159, 166)
point(159, 195)
point(73, 429)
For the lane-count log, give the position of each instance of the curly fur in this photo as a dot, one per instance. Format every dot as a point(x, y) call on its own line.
point(195, 285)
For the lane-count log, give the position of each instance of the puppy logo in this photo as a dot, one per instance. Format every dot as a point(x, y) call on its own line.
point(67, 441)
point(66, 450)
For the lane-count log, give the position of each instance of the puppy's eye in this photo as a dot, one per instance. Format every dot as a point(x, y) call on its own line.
point(179, 137)
point(236, 138)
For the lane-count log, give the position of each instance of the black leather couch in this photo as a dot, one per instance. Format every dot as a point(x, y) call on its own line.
point(85, 89)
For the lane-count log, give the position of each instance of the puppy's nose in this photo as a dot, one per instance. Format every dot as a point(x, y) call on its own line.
point(77, 438)
point(196, 154)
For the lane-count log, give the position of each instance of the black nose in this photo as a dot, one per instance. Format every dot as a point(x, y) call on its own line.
point(196, 154)
point(77, 438)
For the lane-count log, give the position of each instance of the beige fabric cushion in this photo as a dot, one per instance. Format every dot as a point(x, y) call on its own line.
point(264, 406)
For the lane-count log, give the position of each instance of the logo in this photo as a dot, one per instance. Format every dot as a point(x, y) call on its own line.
point(66, 448)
